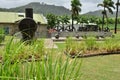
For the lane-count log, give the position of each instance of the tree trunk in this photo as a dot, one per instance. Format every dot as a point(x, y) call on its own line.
point(102, 22)
point(63, 29)
point(103, 18)
point(116, 19)
point(72, 23)
point(106, 19)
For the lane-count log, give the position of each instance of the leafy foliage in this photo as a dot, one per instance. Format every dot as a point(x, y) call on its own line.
point(107, 5)
point(51, 19)
point(75, 9)
point(55, 21)
point(2, 35)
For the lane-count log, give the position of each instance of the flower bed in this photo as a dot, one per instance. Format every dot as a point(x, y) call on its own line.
point(91, 47)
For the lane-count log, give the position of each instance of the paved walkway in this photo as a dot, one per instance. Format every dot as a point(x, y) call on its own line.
point(50, 44)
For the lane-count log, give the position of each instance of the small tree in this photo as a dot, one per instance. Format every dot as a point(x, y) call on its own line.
point(51, 19)
point(58, 20)
point(64, 20)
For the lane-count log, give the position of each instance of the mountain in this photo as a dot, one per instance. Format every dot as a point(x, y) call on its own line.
point(57, 10)
point(98, 13)
point(41, 8)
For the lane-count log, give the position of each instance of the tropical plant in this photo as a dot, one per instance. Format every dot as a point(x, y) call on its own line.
point(107, 5)
point(51, 19)
point(75, 8)
point(111, 21)
point(81, 19)
point(2, 35)
point(64, 20)
point(116, 19)
point(71, 47)
point(58, 20)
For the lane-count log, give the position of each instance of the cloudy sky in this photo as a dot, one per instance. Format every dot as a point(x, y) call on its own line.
point(87, 5)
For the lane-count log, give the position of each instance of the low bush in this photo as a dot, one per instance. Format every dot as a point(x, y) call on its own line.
point(2, 36)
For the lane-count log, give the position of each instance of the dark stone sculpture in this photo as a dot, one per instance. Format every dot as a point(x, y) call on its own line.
point(28, 26)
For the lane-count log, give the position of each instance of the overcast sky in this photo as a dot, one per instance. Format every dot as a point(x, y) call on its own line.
point(87, 5)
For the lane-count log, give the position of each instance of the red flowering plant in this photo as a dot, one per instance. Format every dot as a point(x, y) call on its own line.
point(51, 30)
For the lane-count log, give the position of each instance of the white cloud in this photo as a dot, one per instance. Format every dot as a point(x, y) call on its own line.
point(89, 6)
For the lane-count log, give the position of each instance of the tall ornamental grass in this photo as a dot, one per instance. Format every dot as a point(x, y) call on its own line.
point(16, 66)
point(91, 46)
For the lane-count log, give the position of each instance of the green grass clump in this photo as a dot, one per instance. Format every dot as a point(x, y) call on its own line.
point(112, 44)
point(76, 48)
point(20, 51)
point(58, 69)
point(90, 43)
point(16, 66)
point(71, 46)
point(91, 46)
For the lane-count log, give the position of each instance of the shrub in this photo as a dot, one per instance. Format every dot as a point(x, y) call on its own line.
point(2, 31)
point(2, 36)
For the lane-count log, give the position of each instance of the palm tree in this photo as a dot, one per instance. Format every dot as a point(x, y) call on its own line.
point(107, 5)
point(116, 19)
point(75, 8)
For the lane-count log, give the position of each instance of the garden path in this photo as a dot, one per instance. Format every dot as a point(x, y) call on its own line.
point(50, 44)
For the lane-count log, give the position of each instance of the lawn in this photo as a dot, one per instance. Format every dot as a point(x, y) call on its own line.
point(98, 68)
point(57, 67)
point(101, 68)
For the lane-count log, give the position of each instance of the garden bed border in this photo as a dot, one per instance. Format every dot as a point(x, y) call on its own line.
point(92, 55)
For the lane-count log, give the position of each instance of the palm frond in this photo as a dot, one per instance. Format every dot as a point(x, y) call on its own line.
point(118, 3)
point(110, 10)
point(102, 5)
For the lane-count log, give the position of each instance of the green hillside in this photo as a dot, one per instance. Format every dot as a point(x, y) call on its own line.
point(41, 8)
point(98, 13)
point(57, 10)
